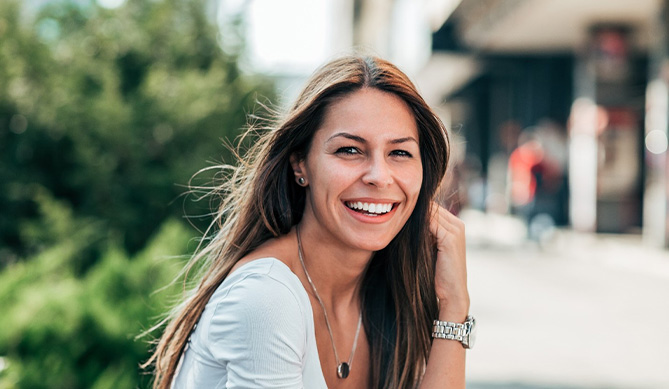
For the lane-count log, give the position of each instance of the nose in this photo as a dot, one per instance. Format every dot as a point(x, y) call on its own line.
point(378, 173)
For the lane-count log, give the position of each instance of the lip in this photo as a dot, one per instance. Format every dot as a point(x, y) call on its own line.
point(382, 218)
point(371, 200)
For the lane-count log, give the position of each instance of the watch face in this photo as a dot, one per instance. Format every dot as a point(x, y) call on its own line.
point(472, 337)
point(472, 332)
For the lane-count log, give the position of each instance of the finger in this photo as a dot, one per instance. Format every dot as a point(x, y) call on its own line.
point(447, 239)
point(451, 222)
point(448, 231)
point(444, 229)
point(445, 219)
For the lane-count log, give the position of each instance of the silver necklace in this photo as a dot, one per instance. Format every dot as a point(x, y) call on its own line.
point(343, 368)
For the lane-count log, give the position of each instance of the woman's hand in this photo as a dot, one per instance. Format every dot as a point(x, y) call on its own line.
point(451, 269)
point(446, 365)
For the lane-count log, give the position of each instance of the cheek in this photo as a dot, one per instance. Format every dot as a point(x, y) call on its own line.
point(327, 181)
point(411, 182)
point(331, 172)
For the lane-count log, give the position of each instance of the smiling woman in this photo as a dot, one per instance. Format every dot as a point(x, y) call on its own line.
point(365, 151)
point(329, 246)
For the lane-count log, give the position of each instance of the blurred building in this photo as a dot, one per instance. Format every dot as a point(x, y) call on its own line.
point(563, 108)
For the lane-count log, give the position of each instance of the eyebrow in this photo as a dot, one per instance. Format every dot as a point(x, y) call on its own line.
point(364, 141)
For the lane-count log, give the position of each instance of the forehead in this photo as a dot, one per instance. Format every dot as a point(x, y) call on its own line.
point(370, 113)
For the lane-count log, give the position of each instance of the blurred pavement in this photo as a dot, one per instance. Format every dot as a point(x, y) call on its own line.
point(581, 311)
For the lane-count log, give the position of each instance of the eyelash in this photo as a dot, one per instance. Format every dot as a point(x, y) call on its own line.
point(403, 153)
point(350, 150)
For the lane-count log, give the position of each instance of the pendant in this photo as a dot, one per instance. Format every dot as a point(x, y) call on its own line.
point(343, 369)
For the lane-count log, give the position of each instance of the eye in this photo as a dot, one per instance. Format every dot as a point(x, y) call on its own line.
point(401, 153)
point(348, 150)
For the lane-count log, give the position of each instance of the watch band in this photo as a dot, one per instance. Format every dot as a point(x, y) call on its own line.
point(448, 330)
point(462, 332)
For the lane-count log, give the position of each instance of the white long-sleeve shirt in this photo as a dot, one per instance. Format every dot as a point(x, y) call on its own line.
point(257, 331)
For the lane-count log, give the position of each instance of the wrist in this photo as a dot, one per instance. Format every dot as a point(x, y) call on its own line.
point(455, 311)
point(452, 315)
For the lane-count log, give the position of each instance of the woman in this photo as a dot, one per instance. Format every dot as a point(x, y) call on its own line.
point(331, 260)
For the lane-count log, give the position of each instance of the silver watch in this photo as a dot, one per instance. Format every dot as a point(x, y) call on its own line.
point(464, 333)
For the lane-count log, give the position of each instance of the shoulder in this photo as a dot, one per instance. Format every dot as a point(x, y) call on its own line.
point(262, 290)
point(263, 278)
point(261, 308)
point(257, 284)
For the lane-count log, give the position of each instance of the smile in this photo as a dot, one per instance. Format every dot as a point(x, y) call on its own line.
point(371, 209)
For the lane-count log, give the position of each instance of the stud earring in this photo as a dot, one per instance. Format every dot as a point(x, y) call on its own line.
point(301, 181)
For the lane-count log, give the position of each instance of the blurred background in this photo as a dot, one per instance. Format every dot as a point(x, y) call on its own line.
point(558, 111)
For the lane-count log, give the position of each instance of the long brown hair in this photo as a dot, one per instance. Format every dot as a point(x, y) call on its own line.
point(261, 200)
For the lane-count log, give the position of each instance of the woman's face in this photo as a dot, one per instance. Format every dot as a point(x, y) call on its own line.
point(363, 170)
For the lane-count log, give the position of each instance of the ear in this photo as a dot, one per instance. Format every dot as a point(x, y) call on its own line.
point(298, 165)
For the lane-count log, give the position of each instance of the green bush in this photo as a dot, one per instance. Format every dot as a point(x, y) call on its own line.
point(104, 116)
point(112, 111)
point(61, 330)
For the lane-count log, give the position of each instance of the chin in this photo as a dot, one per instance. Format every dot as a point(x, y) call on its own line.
point(376, 248)
point(372, 242)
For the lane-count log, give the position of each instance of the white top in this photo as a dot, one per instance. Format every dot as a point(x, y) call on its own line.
point(257, 331)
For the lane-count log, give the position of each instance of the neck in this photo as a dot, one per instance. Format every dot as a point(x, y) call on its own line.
point(336, 271)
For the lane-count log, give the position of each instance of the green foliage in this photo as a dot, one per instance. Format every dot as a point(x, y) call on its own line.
point(104, 116)
point(112, 111)
point(62, 330)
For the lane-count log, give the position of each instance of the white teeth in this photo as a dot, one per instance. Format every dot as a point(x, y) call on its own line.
point(372, 208)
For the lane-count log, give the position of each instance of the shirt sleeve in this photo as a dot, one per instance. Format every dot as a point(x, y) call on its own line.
point(258, 331)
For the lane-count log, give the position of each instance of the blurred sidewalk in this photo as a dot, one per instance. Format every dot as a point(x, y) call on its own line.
point(578, 311)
